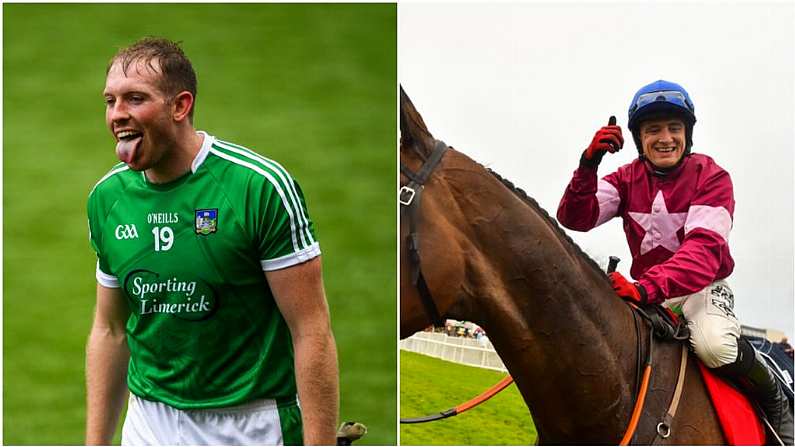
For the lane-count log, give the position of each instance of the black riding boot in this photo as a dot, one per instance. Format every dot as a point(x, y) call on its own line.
point(751, 372)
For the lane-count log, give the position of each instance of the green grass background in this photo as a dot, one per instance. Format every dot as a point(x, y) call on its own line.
point(310, 85)
point(429, 385)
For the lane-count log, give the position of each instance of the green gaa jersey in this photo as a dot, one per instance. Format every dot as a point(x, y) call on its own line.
point(204, 330)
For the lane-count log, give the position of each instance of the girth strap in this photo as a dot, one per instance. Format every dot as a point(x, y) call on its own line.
point(664, 427)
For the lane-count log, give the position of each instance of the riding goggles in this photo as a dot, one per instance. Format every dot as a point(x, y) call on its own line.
point(669, 96)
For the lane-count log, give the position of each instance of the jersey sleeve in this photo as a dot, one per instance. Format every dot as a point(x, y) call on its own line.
point(96, 217)
point(705, 246)
point(588, 202)
point(286, 235)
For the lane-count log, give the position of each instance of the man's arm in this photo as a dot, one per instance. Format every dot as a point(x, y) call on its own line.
point(588, 202)
point(107, 357)
point(298, 291)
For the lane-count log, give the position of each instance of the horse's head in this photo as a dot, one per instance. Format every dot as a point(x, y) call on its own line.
point(432, 215)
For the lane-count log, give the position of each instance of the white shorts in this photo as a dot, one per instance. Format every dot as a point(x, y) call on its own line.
point(714, 328)
point(261, 422)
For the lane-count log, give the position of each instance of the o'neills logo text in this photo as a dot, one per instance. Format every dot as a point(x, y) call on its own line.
point(150, 294)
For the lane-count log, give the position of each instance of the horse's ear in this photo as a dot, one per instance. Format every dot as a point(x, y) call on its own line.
point(412, 127)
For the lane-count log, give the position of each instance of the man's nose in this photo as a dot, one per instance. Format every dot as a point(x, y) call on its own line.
point(118, 112)
point(666, 136)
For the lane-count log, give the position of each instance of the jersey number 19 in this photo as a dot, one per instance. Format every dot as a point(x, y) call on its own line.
point(164, 238)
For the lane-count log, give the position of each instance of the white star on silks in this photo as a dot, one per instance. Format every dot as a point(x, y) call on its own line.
point(660, 225)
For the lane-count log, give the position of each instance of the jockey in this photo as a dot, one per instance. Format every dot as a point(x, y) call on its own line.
point(677, 209)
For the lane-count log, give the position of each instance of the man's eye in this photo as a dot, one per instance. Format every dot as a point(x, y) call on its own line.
point(109, 101)
point(136, 99)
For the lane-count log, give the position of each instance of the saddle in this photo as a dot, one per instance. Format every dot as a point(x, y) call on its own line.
point(666, 325)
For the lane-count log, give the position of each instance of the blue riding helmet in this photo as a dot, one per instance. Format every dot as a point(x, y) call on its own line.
point(659, 99)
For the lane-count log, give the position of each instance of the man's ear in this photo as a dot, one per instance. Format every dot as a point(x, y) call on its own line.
point(182, 105)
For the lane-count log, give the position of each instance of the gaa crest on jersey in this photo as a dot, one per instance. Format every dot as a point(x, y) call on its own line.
point(206, 221)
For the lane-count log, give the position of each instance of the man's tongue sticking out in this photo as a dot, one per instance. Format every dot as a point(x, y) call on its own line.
point(127, 149)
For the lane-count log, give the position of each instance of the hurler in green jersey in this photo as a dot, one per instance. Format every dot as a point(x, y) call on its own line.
point(204, 330)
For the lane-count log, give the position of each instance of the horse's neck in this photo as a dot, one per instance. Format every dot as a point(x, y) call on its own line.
point(566, 339)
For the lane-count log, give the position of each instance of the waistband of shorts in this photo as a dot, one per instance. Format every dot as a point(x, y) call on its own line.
point(254, 405)
point(262, 404)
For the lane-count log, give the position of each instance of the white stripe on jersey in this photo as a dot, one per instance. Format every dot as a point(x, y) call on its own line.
point(273, 182)
point(112, 172)
point(281, 172)
point(292, 259)
point(106, 280)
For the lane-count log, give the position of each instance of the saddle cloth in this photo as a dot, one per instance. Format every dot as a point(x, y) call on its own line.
point(737, 417)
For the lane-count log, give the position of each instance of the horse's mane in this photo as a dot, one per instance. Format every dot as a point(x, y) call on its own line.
point(519, 192)
point(418, 151)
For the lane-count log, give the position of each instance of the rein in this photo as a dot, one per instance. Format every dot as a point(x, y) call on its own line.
point(641, 383)
point(460, 408)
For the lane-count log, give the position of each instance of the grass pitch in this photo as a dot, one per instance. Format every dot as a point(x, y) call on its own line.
point(310, 85)
point(429, 385)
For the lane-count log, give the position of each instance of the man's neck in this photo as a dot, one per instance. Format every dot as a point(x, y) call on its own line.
point(663, 172)
point(177, 161)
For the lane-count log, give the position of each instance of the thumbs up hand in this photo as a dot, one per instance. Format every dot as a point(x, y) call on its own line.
point(606, 139)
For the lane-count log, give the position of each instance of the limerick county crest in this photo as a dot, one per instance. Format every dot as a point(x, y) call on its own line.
point(206, 221)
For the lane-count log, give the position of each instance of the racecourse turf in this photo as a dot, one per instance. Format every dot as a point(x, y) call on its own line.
point(429, 385)
point(310, 85)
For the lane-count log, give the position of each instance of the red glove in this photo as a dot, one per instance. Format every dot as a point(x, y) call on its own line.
point(606, 139)
point(627, 290)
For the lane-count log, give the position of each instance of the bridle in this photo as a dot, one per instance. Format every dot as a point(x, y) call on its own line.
point(410, 197)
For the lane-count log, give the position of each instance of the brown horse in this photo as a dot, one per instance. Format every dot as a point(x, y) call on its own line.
point(491, 255)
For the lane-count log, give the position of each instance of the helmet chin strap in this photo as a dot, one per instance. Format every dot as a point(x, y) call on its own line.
point(662, 172)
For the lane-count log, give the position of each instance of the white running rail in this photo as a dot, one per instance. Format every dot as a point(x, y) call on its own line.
point(466, 351)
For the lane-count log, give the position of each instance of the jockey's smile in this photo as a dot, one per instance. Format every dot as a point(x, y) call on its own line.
point(663, 141)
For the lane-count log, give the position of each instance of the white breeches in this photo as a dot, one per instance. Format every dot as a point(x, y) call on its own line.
point(714, 328)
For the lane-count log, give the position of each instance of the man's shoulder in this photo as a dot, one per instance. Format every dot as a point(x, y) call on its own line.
point(115, 181)
point(706, 164)
point(706, 176)
point(109, 190)
point(629, 171)
point(234, 161)
point(636, 163)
